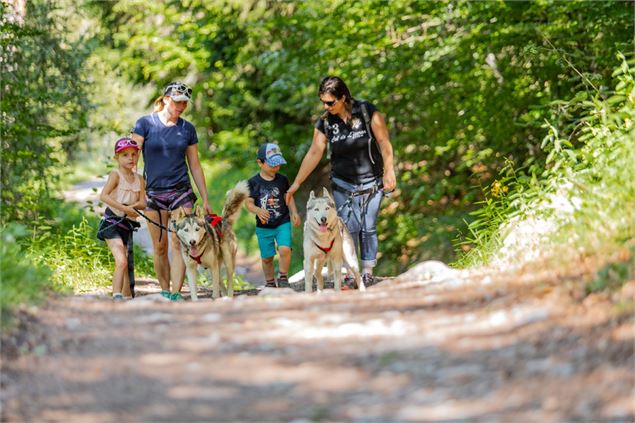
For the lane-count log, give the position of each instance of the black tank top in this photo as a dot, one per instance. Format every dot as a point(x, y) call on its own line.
point(349, 145)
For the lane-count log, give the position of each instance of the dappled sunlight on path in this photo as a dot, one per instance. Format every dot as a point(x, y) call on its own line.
point(495, 347)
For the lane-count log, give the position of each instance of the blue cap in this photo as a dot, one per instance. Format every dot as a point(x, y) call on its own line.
point(271, 154)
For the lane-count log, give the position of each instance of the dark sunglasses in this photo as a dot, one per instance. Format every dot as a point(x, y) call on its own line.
point(329, 103)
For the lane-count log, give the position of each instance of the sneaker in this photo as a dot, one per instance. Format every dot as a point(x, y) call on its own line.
point(165, 294)
point(271, 284)
point(117, 297)
point(176, 296)
point(283, 282)
point(368, 279)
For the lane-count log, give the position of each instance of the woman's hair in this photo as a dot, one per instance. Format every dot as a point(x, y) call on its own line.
point(337, 88)
point(159, 104)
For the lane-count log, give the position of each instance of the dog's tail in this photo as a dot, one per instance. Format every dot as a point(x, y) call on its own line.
point(234, 200)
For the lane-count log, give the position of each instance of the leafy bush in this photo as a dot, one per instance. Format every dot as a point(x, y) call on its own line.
point(585, 195)
point(23, 281)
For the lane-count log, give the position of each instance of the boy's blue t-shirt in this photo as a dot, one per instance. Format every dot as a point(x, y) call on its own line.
point(164, 147)
point(269, 195)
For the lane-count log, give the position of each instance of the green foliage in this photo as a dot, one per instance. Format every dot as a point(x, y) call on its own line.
point(22, 280)
point(42, 103)
point(466, 86)
point(587, 187)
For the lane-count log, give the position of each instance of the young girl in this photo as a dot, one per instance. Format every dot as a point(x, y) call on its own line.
point(123, 193)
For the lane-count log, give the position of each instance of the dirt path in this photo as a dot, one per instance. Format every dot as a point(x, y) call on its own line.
point(426, 346)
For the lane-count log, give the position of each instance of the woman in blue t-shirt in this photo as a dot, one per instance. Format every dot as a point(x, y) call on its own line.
point(361, 164)
point(169, 146)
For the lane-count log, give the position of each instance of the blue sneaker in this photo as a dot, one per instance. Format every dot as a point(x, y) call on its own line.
point(176, 296)
point(165, 294)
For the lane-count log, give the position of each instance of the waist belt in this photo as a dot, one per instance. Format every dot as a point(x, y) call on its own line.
point(169, 204)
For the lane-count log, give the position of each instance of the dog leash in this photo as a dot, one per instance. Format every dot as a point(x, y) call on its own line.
point(212, 219)
point(152, 221)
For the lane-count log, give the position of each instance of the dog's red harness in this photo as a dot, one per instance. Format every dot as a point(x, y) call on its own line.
point(196, 259)
point(214, 221)
point(326, 250)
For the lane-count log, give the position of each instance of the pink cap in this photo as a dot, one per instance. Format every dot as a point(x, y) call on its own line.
point(123, 143)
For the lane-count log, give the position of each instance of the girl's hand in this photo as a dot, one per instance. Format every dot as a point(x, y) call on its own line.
point(295, 219)
point(131, 212)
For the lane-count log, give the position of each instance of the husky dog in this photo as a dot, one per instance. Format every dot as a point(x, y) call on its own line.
point(207, 245)
point(326, 239)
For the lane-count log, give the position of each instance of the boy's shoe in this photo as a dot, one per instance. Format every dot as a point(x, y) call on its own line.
point(176, 296)
point(271, 284)
point(165, 294)
point(283, 282)
point(368, 279)
point(117, 297)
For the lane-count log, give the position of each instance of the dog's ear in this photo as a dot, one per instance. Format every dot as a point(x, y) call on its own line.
point(178, 213)
point(311, 195)
point(327, 194)
point(199, 212)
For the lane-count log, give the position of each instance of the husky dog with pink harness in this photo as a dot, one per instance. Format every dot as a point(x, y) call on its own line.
point(169, 146)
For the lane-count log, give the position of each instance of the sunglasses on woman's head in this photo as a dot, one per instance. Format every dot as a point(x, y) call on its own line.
point(329, 103)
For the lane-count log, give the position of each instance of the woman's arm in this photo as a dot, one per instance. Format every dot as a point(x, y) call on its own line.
point(309, 163)
point(138, 139)
point(293, 211)
point(197, 174)
point(380, 131)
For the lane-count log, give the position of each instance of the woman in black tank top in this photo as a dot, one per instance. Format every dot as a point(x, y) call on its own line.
point(361, 163)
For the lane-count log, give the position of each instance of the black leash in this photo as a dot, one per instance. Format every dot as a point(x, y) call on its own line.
point(153, 222)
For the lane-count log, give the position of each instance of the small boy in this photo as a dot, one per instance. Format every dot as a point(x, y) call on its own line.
point(123, 193)
point(273, 215)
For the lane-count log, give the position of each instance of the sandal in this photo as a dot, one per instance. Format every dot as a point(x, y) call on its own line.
point(283, 282)
point(271, 284)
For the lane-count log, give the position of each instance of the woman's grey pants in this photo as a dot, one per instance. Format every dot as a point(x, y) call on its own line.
point(360, 212)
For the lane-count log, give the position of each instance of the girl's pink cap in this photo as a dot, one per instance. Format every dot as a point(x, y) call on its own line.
point(123, 143)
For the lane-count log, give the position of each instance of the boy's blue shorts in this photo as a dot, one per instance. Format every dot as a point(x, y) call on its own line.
point(268, 238)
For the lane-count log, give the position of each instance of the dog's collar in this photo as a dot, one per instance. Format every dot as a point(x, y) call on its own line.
point(326, 250)
point(196, 259)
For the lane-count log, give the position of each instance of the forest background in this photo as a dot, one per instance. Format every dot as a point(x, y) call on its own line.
point(496, 110)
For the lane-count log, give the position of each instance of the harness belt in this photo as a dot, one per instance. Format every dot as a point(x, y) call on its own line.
point(370, 190)
point(158, 205)
point(324, 249)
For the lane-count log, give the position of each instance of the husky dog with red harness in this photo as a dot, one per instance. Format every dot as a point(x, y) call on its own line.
point(327, 240)
point(209, 241)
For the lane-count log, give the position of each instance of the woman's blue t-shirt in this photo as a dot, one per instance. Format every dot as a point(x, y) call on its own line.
point(164, 152)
